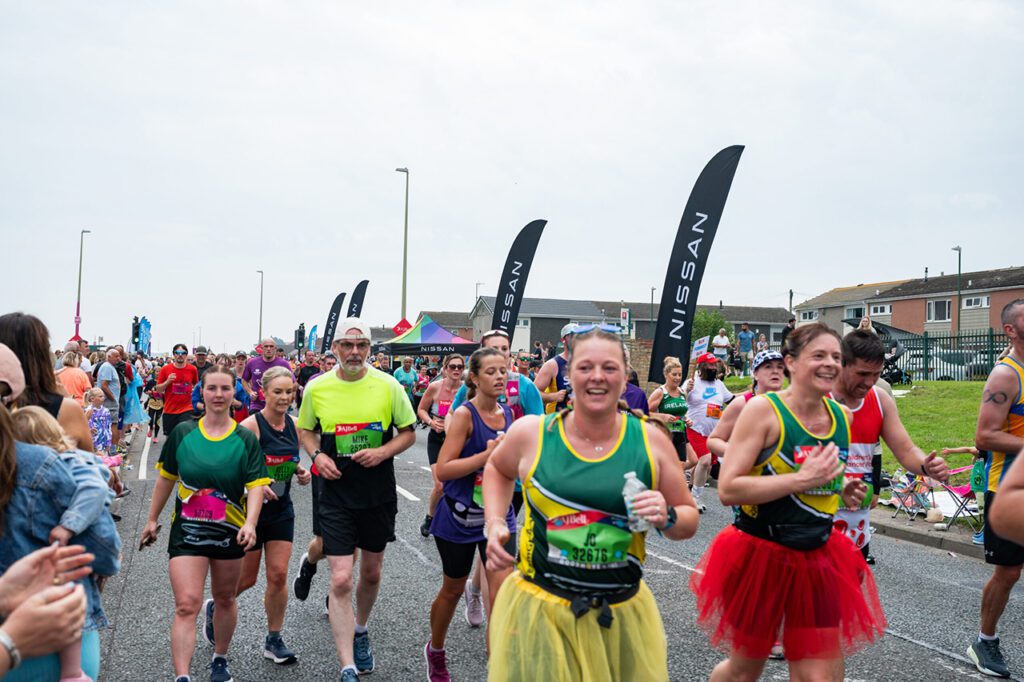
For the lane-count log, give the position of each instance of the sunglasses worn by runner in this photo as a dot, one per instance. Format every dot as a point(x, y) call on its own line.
point(493, 332)
point(181, 352)
point(458, 367)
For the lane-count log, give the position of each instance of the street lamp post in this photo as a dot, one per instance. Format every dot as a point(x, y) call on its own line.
point(261, 307)
point(478, 285)
point(78, 297)
point(405, 238)
point(959, 300)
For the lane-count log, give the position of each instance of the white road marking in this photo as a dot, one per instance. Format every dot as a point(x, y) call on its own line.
point(417, 553)
point(406, 494)
point(672, 561)
point(143, 462)
point(944, 652)
point(427, 469)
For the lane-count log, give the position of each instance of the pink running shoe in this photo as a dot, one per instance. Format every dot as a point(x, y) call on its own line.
point(437, 665)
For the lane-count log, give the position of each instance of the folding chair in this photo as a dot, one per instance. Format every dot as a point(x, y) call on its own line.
point(964, 497)
point(911, 494)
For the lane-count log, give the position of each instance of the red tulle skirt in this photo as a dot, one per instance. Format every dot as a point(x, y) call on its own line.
point(823, 600)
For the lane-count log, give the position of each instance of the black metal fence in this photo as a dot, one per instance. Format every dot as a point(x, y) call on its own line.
point(968, 356)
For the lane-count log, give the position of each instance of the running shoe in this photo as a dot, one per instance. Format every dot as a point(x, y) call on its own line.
point(349, 675)
point(425, 526)
point(155, 438)
point(276, 650)
point(474, 611)
point(777, 653)
point(300, 586)
point(437, 666)
point(700, 507)
point(979, 537)
point(219, 670)
point(327, 605)
point(987, 657)
point(208, 622)
point(182, 678)
point(363, 653)
point(870, 559)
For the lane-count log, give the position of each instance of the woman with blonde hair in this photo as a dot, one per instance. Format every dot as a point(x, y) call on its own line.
point(668, 401)
point(75, 381)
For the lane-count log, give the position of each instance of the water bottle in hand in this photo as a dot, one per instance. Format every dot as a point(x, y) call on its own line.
point(631, 489)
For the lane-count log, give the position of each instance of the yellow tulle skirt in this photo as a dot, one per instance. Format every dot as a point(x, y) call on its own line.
point(535, 636)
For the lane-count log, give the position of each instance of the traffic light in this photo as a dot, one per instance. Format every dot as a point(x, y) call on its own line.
point(300, 337)
point(135, 332)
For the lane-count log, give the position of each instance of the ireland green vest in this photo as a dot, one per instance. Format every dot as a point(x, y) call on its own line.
point(676, 407)
point(576, 534)
point(811, 507)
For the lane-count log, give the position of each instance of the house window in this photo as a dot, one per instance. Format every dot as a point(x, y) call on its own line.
point(976, 302)
point(881, 309)
point(855, 311)
point(939, 311)
point(808, 315)
point(524, 322)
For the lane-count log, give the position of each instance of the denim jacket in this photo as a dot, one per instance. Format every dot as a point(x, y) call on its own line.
point(92, 493)
point(44, 490)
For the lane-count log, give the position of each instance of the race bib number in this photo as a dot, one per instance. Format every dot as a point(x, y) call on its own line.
point(442, 407)
point(352, 438)
point(207, 504)
point(589, 539)
point(181, 388)
point(835, 486)
point(714, 411)
point(281, 467)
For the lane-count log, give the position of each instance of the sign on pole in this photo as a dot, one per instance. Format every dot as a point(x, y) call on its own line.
point(700, 347)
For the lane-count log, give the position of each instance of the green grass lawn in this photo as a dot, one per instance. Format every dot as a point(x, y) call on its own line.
point(940, 414)
point(937, 414)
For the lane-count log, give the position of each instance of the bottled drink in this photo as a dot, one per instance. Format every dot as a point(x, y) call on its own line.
point(631, 489)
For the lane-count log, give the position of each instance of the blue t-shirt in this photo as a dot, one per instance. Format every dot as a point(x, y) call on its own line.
point(746, 340)
point(407, 379)
point(529, 397)
point(109, 373)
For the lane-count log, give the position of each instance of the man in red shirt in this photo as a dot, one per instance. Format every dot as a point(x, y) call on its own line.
point(176, 382)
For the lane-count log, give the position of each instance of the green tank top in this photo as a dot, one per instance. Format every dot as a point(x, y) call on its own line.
point(812, 507)
point(676, 407)
point(576, 534)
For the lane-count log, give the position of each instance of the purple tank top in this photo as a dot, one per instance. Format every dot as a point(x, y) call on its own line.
point(460, 514)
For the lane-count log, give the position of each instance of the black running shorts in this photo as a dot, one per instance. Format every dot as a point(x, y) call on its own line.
point(998, 551)
point(343, 528)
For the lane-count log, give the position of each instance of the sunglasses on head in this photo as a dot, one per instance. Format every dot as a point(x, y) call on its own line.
point(494, 332)
point(584, 328)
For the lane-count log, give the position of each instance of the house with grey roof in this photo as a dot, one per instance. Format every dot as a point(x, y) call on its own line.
point(844, 303)
point(935, 305)
point(542, 319)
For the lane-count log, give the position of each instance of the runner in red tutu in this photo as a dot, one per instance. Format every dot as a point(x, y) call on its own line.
point(781, 566)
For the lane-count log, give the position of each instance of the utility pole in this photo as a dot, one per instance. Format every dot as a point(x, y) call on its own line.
point(261, 307)
point(790, 301)
point(405, 238)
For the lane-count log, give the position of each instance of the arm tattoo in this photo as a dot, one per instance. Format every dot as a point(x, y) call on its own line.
point(996, 397)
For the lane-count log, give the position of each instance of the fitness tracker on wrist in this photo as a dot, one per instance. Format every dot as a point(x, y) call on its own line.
point(12, 651)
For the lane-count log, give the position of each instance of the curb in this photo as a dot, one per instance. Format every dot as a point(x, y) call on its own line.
point(923, 533)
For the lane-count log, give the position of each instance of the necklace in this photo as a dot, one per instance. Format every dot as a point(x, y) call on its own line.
point(597, 448)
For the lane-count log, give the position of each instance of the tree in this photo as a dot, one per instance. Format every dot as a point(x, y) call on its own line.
point(707, 323)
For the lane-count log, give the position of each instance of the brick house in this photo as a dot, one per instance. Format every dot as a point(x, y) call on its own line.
point(842, 303)
point(930, 304)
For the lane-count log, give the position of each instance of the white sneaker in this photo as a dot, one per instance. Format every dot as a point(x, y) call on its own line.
point(474, 611)
point(700, 507)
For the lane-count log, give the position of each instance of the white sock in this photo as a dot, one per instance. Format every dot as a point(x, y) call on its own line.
point(472, 589)
point(360, 629)
point(216, 656)
point(987, 638)
point(350, 667)
point(697, 490)
point(433, 649)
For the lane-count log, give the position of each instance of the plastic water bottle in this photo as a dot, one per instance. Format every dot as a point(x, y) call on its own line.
point(631, 489)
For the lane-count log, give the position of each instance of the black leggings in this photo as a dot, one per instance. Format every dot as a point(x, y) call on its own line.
point(154, 420)
point(457, 558)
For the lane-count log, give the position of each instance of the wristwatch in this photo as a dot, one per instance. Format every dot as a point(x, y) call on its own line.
point(316, 452)
point(671, 518)
point(12, 651)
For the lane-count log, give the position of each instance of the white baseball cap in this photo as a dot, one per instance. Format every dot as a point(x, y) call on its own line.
point(568, 329)
point(354, 323)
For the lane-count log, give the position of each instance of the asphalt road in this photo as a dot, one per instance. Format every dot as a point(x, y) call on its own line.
point(931, 599)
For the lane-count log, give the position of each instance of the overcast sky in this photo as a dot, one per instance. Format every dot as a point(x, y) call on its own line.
point(203, 141)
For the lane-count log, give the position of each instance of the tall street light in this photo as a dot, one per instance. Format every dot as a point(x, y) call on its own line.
point(261, 307)
point(959, 301)
point(78, 297)
point(405, 238)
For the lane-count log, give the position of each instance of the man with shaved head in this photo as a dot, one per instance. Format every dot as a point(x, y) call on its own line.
point(255, 368)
